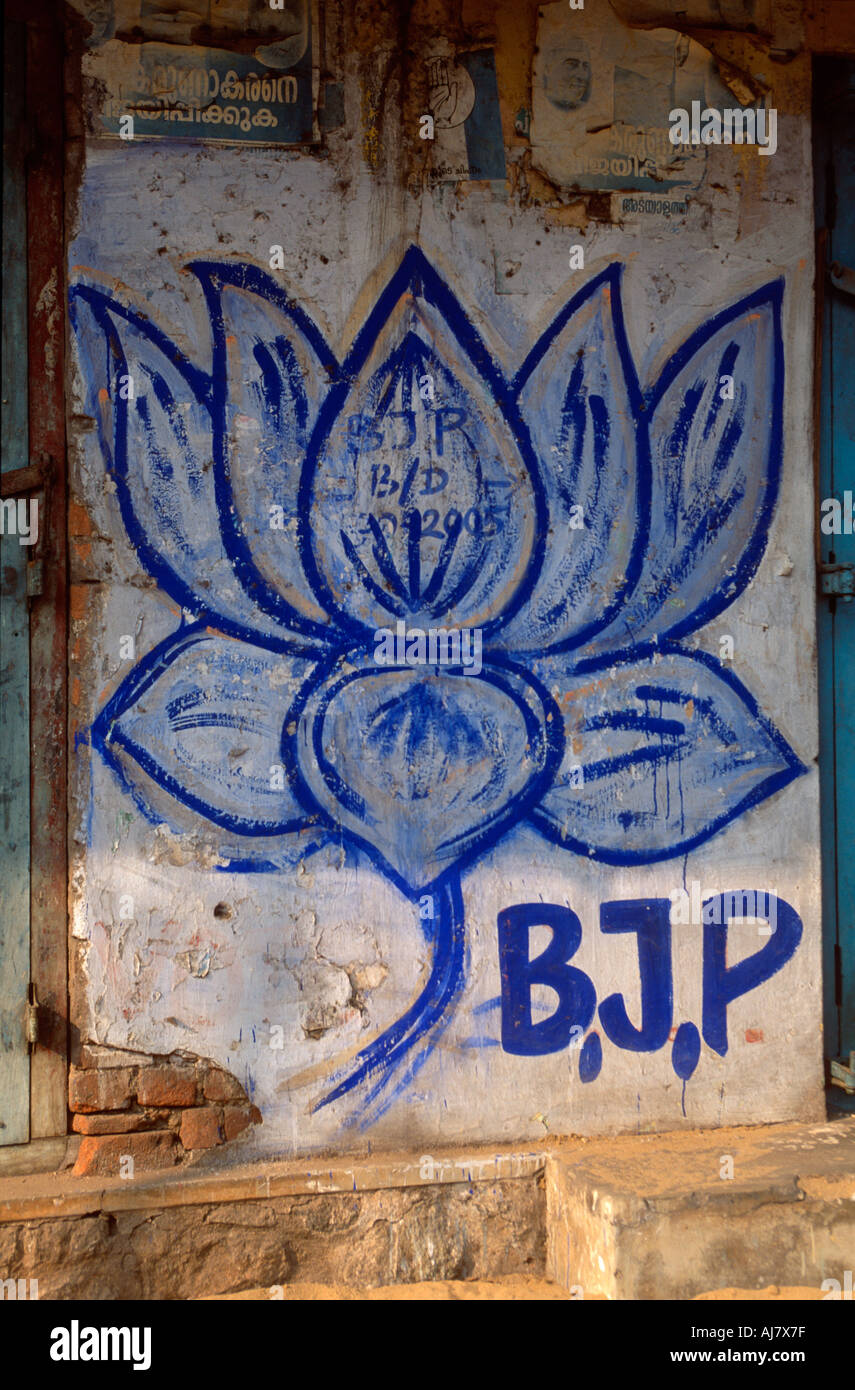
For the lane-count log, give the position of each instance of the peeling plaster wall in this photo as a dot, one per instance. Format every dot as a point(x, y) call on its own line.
point(282, 977)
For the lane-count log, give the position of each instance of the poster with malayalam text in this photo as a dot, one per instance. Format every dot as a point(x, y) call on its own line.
point(231, 71)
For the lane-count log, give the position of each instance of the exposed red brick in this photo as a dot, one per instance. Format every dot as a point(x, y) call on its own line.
point(166, 1086)
point(117, 1123)
point(236, 1118)
point(99, 1090)
point(220, 1085)
point(78, 520)
point(201, 1128)
point(101, 1157)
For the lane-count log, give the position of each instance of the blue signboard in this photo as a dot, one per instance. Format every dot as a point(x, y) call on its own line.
point(237, 85)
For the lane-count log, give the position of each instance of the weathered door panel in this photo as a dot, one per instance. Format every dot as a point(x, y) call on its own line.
point(14, 622)
point(835, 165)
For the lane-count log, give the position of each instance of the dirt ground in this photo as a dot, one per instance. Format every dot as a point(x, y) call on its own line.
point(511, 1289)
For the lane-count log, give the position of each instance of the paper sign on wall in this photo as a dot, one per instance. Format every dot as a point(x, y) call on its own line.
point(231, 71)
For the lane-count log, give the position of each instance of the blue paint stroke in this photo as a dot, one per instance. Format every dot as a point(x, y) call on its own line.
point(590, 1059)
point(650, 919)
point(577, 997)
point(685, 1055)
point(423, 1022)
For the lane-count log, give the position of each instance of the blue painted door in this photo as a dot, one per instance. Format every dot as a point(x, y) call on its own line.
point(834, 154)
point(14, 621)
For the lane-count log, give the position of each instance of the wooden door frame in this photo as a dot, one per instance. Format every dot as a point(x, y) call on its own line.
point(45, 477)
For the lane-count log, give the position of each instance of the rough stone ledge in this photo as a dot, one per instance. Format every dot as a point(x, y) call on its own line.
point(451, 1231)
point(59, 1195)
point(237, 1236)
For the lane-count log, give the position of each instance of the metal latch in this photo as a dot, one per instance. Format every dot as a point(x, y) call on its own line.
point(32, 1017)
point(842, 277)
point(837, 581)
point(35, 578)
point(844, 1076)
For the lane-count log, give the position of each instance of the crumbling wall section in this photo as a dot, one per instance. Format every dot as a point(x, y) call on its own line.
point(142, 1111)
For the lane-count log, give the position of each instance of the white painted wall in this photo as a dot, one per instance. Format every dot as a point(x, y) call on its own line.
point(174, 976)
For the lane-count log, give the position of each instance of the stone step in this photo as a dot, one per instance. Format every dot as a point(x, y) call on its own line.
point(364, 1222)
point(762, 1212)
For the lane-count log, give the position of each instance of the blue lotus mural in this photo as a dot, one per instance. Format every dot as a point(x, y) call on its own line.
point(295, 505)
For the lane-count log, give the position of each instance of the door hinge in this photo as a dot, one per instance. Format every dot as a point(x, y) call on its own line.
point(844, 1076)
point(837, 581)
point(842, 277)
point(32, 1017)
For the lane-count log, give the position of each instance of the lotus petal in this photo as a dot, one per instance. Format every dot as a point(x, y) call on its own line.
point(425, 767)
point(660, 754)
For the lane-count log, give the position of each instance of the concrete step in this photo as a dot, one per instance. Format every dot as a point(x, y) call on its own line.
point(688, 1214)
